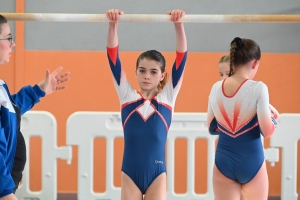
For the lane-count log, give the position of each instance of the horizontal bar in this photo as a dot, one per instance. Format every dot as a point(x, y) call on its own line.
point(56, 17)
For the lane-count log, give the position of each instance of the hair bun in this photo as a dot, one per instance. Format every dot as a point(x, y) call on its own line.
point(238, 41)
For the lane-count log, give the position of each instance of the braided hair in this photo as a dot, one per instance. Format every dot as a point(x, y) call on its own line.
point(242, 51)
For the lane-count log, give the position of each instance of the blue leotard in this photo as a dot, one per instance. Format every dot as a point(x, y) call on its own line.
point(239, 120)
point(145, 122)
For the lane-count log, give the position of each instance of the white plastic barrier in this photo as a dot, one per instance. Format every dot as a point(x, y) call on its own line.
point(190, 126)
point(84, 127)
point(42, 124)
point(286, 136)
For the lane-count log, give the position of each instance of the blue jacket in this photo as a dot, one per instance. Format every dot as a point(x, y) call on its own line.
point(25, 99)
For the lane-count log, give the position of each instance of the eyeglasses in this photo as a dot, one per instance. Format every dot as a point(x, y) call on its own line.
point(10, 39)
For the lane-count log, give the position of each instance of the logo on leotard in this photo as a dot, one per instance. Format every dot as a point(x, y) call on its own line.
point(159, 162)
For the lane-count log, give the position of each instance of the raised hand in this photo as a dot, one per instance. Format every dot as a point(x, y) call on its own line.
point(52, 82)
point(176, 15)
point(113, 15)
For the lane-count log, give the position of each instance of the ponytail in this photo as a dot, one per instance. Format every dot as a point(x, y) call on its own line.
point(162, 83)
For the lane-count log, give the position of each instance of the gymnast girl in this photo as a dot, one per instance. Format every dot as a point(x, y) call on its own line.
point(239, 111)
point(146, 112)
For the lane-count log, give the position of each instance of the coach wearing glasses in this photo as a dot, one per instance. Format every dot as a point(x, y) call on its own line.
point(12, 144)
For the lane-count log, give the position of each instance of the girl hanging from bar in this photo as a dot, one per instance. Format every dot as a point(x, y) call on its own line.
point(146, 112)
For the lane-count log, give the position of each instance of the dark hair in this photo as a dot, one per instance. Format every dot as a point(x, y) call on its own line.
point(224, 59)
point(158, 57)
point(3, 20)
point(242, 51)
